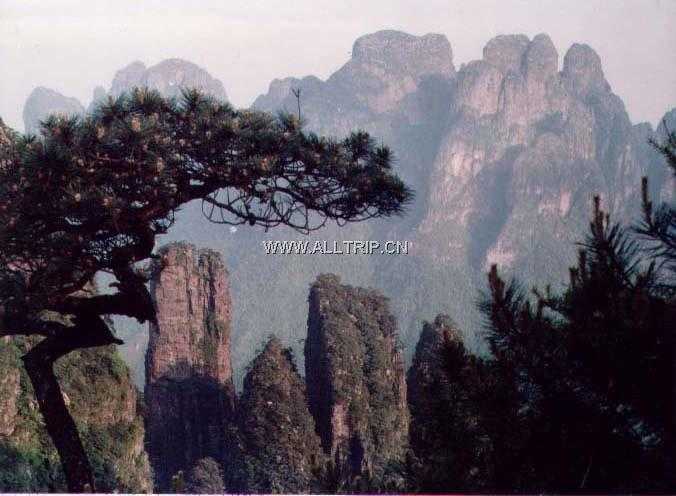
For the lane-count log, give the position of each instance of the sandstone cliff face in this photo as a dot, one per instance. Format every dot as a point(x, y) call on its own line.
point(526, 149)
point(395, 86)
point(103, 401)
point(278, 450)
point(168, 77)
point(386, 68)
point(355, 381)
point(189, 392)
point(42, 102)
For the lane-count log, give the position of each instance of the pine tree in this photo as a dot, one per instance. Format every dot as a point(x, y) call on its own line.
point(590, 369)
point(91, 195)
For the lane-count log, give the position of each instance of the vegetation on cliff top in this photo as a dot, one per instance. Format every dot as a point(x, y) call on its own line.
point(103, 401)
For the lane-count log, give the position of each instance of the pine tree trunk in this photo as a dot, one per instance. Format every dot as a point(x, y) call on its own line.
point(39, 363)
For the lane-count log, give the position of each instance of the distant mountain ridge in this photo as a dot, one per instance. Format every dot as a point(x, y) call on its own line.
point(505, 154)
point(167, 77)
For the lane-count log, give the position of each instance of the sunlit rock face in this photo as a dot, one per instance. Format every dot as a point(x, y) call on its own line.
point(189, 392)
point(43, 102)
point(355, 381)
point(168, 77)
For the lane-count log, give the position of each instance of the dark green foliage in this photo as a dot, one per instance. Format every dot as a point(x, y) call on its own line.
point(355, 378)
point(446, 388)
point(103, 402)
point(658, 226)
point(27, 470)
point(585, 376)
point(276, 449)
point(206, 477)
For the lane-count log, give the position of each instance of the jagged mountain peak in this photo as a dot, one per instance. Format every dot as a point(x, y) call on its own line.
point(583, 70)
point(168, 77)
point(518, 54)
point(273, 350)
point(505, 51)
point(396, 49)
point(44, 101)
point(667, 123)
point(541, 58)
point(127, 77)
point(278, 448)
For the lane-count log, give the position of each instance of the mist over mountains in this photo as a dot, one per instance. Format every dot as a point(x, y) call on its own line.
point(504, 153)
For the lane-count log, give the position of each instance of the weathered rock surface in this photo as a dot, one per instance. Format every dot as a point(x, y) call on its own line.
point(386, 71)
point(168, 77)
point(9, 393)
point(103, 401)
point(355, 382)
point(205, 477)
point(5, 134)
point(189, 392)
point(278, 449)
point(526, 149)
point(6, 139)
point(42, 102)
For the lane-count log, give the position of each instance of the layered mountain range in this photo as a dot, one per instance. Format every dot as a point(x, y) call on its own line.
point(504, 153)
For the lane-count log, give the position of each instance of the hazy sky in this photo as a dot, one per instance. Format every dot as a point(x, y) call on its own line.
point(73, 46)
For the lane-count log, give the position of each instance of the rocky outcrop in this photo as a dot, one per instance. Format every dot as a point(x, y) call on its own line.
point(189, 392)
point(526, 149)
point(43, 102)
point(168, 77)
point(206, 477)
point(387, 69)
point(5, 134)
point(6, 139)
point(103, 401)
point(444, 389)
point(355, 382)
point(278, 450)
point(9, 395)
